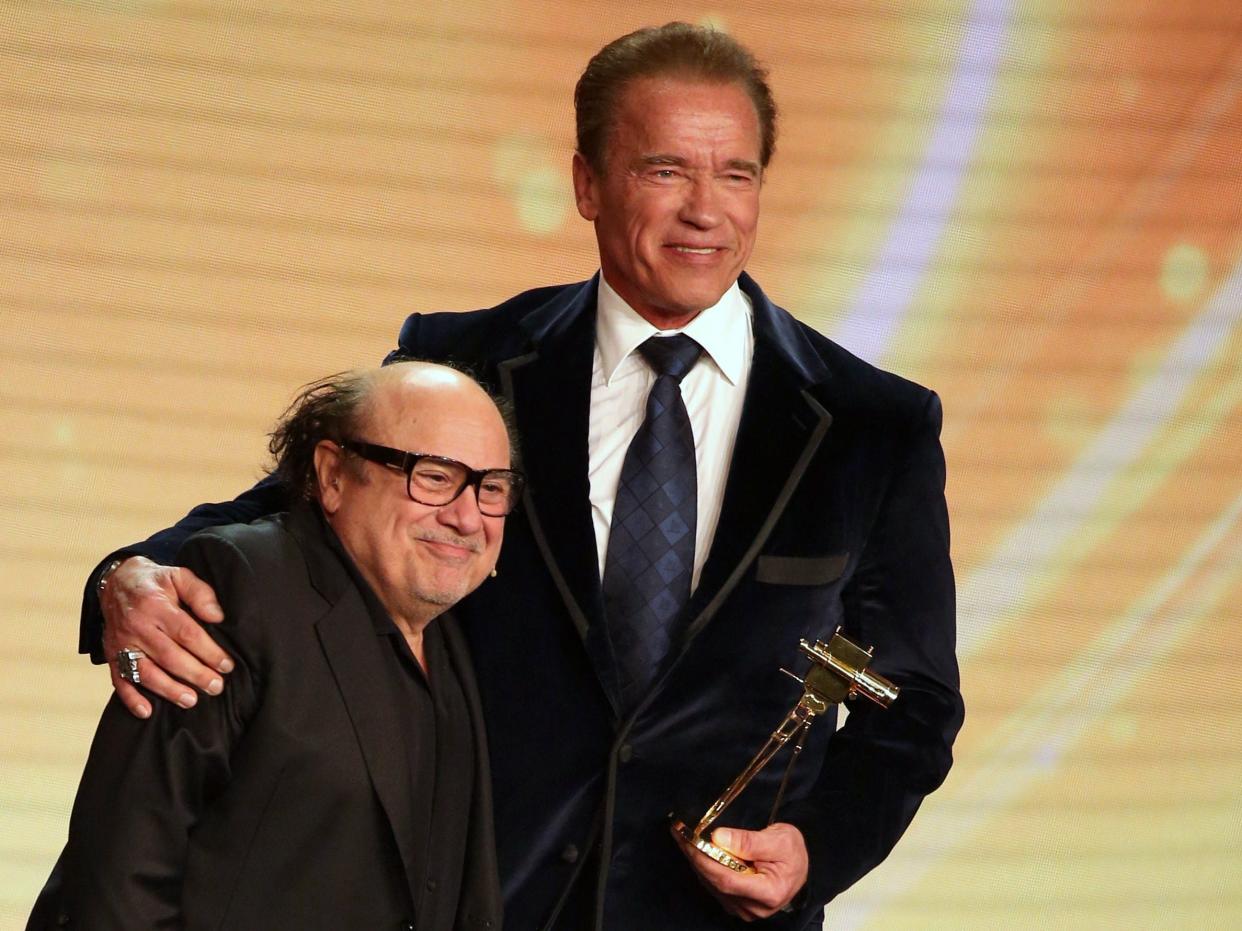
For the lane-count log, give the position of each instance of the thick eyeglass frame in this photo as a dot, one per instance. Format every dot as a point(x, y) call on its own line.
point(404, 461)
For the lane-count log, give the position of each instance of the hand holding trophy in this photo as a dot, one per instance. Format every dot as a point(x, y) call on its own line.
point(838, 672)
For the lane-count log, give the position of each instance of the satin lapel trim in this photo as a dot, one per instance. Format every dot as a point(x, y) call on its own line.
point(781, 430)
point(550, 390)
point(353, 652)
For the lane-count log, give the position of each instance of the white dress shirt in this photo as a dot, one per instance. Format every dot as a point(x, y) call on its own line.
point(713, 391)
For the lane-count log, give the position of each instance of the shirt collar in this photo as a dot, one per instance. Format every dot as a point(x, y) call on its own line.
point(720, 330)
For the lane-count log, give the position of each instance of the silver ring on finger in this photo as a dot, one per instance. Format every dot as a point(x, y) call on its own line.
point(127, 665)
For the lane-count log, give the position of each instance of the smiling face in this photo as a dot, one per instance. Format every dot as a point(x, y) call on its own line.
point(419, 559)
point(677, 204)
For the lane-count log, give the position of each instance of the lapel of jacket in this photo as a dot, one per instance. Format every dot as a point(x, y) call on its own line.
point(479, 904)
point(550, 390)
point(782, 426)
point(353, 653)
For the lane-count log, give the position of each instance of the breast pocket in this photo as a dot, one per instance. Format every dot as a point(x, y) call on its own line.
point(800, 570)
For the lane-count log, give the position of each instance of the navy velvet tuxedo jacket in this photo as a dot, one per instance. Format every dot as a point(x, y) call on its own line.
point(834, 515)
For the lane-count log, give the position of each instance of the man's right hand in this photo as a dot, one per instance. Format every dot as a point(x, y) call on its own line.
point(142, 608)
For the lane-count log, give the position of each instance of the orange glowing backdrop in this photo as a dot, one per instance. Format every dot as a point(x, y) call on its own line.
point(1034, 207)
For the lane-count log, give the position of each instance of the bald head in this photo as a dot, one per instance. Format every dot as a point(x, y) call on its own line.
point(418, 398)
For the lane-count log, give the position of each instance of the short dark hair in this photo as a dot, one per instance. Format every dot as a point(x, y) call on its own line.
point(677, 50)
point(334, 408)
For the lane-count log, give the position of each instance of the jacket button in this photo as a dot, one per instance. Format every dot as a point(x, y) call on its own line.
point(407, 926)
point(570, 853)
point(626, 753)
point(62, 920)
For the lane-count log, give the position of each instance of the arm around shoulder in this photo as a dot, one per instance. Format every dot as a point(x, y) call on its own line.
point(266, 497)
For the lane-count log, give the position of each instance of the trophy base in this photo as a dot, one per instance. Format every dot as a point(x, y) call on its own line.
point(719, 854)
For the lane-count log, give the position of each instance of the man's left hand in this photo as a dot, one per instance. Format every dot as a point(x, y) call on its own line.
point(778, 854)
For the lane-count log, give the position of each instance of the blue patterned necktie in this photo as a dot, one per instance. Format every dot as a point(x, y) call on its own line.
point(650, 557)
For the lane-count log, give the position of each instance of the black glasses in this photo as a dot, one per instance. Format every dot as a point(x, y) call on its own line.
point(437, 481)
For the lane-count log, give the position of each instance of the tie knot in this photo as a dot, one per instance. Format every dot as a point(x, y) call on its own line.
point(671, 355)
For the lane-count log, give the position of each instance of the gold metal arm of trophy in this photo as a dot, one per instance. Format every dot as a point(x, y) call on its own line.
point(839, 671)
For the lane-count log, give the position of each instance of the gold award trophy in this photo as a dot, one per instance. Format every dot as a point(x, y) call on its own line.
point(838, 672)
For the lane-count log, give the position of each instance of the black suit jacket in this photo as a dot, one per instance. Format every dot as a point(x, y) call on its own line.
point(285, 802)
point(834, 515)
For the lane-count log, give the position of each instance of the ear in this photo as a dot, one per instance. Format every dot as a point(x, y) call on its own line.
point(329, 472)
point(586, 188)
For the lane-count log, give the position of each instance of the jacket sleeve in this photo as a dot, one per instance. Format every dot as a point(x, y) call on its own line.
point(267, 497)
point(147, 783)
point(901, 599)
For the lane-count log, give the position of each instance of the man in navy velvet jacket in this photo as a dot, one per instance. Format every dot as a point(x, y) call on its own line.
point(820, 504)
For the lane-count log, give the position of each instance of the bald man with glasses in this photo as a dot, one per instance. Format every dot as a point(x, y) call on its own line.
point(342, 780)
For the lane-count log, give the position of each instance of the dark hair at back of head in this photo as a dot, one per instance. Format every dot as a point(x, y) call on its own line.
point(327, 409)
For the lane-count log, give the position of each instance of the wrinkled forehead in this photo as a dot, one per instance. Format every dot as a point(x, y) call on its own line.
point(668, 107)
point(453, 418)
